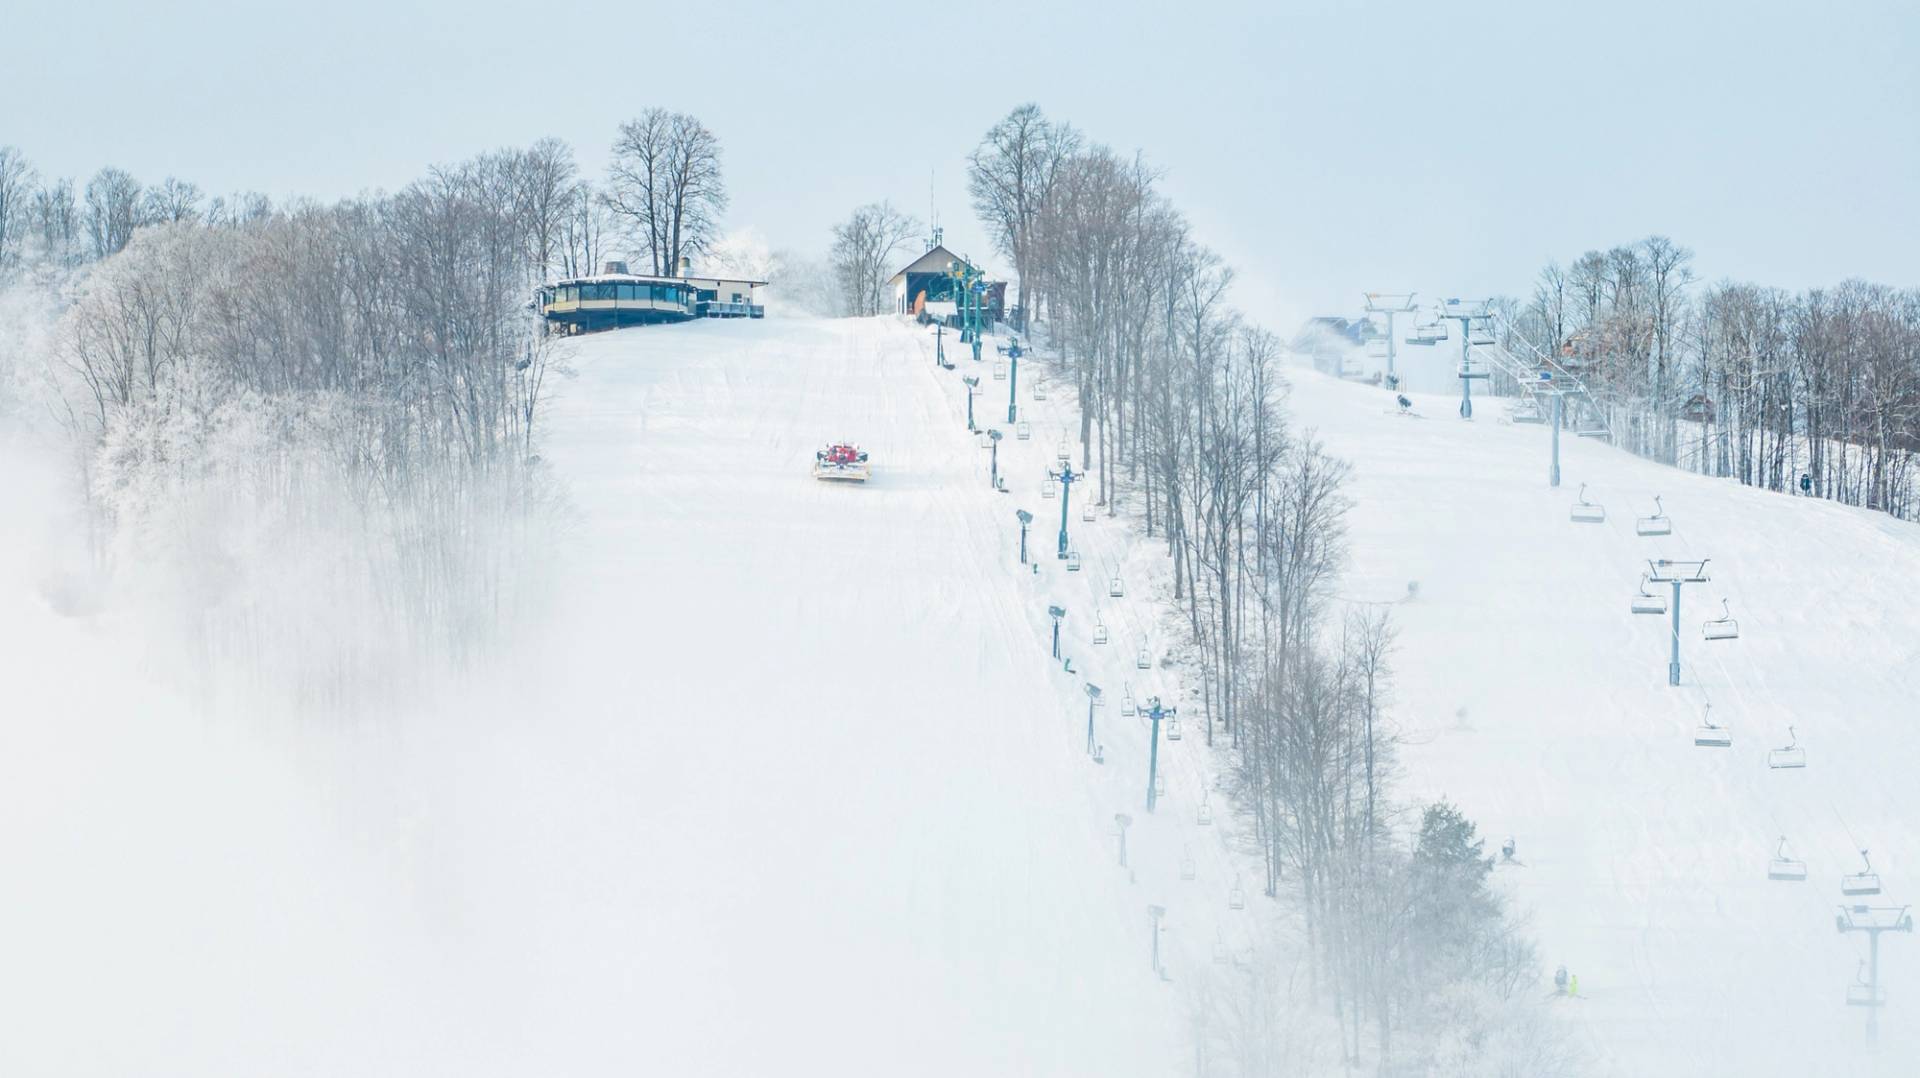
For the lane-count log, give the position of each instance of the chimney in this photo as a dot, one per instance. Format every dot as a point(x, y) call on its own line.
point(613, 267)
point(686, 266)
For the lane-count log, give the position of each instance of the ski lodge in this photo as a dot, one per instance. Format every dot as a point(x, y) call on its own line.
point(925, 287)
point(615, 298)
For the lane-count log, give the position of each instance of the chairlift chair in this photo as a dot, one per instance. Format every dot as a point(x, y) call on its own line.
point(1205, 817)
point(1722, 627)
point(1160, 785)
point(1236, 898)
point(1064, 454)
point(1648, 602)
point(1073, 561)
point(1481, 332)
point(1428, 332)
point(1862, 883)
point(1786, 869)
point(1173, 729)
point(1586, 512)
point(1789, 756)
point(1220, 952)
point(1527, 411)
point(1048, 490)
point(1710, 734)
point(1099, 631)
point(1657, 524)
point(1141, 661)
point(1187, 868)
point(999, 370)
point(1114, 588)
point(1126, 703)
point(1086, 513)
point(1866, 995)
point(1039, 392)
point(1024, 431)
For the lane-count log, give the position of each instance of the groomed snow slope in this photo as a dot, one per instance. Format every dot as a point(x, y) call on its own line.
point(1528, 693)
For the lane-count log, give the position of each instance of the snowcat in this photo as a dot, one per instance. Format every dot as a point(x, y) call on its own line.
point(841, 460)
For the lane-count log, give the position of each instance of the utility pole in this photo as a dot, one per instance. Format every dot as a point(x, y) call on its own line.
point(1156, 713)
point(940, 345)
point(1067, 476)
point(1390, 304)
point(1057, 612)
point(1025, 518)
point(1668, 571)
point(1872, 920)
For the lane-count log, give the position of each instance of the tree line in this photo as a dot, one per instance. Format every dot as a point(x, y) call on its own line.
point(1182, 422)
point(1742, 380)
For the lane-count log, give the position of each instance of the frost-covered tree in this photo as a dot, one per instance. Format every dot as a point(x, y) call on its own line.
point(113, 210)
point(16, 196)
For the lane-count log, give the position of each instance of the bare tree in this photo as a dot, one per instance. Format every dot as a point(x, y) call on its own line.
point(170, 202)
point(113, 210)
point(1010, 177)
point(16, 186)
point(863, 252)
point(666, 181)
point(56, 222)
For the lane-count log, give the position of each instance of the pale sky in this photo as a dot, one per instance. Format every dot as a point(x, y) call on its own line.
point(1324, 148)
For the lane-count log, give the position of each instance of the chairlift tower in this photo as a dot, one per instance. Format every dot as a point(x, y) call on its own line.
point(1154, 914)
point(1025, 518)
point(1466, 312)
point(1390, 304)
point(1057, 612)
point(1874, 921)
point(993, 441)
point(973, 390)
point(1093, 701)
point(1155, 712)
point(1067, 477)
point(1676, 573)
point(1013, 377)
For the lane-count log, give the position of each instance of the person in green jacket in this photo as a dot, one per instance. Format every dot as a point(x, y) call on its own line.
point(1573, 985)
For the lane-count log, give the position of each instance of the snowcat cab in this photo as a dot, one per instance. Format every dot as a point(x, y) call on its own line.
point(841, 461)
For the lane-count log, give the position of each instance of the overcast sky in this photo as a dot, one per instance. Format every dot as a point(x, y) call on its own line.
point(1323, 147)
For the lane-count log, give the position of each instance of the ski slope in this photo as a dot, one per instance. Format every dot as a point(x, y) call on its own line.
point(1528, 693)
point(788, 781)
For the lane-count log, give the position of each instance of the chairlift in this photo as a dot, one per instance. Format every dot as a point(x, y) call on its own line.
point(1173, 729)
point(1862, 883)
point(1141, 661)
point(999, 370)
point(1428, 332)
point(1048, 490)
point(1586, 512)
point(1863, 993)
point(1073, 561)
point(1039, 392)
point(1126, 703)
point(1236, 898)
point(1377, 348)
point(1099, 753)
point(1784, 868)
point(1648, 602)
point(1481, 331)
point(1205, 818)
point(1187, 868)
point(1086, 512)
point(1099, 631)
point(1472, 368)
point(1710, 734)
point(1160, 785)
point(1064, 454)
point(1527, 411)
point(1790, 755)
point(1657, 524)
point(1024, 431)
point(1115, 589)
point(1220, 952)
point(1722, 627)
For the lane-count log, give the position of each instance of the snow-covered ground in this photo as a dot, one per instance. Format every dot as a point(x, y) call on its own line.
point(1531, 695)
point(789, 783)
